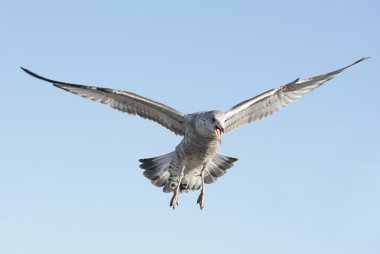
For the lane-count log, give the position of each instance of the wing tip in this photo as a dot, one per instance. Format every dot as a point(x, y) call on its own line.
point(36, 75)
point(349, 66)
point(361, 60)
point(28, 71)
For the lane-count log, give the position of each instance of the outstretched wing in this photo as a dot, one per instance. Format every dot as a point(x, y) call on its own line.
point(126, 102)
point(273, 100)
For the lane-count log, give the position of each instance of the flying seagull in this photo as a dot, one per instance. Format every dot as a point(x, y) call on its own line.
point(195, 161)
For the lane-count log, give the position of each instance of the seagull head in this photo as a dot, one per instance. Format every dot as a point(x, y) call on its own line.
point(209, 124)
point(215, 123)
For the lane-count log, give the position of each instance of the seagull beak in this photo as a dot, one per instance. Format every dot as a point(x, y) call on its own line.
point(219, 132)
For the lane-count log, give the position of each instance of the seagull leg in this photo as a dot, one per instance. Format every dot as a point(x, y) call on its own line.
point(201, 197)
point(175, 198)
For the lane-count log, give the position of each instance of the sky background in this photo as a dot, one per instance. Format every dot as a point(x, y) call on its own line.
point(307, 179)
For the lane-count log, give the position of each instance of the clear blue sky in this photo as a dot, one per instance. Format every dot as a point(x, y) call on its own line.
point(307, 179)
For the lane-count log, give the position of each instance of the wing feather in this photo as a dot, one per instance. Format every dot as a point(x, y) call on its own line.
point(275, 99)
point(126, 102)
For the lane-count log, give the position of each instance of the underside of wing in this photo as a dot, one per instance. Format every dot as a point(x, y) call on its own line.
point(273, 100)
point(126, 102)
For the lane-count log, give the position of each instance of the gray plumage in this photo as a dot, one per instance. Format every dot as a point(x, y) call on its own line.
point(195, 161)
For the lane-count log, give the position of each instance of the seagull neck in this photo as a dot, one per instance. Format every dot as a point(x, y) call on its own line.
point(197, 140)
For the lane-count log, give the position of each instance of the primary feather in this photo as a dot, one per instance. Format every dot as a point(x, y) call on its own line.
point(273, 100)
point(126, 102)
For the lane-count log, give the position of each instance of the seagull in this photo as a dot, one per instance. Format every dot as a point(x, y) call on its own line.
point(195, 160)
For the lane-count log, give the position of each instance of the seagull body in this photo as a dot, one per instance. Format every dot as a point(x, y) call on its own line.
point(195, 161)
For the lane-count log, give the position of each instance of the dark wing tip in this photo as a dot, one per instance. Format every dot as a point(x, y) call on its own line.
point(333, 73)
point(361, 60)
point(364, 58)
point(37, 76)
point(29, 72)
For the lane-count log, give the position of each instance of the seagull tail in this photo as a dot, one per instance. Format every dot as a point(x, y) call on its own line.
point(156, 169)
point(217, 167)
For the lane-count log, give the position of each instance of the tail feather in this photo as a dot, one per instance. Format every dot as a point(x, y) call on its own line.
point(157, 168)
point(217, 167)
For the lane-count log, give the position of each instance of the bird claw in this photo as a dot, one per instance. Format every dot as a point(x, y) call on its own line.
point(174, 201)
point(201, 200)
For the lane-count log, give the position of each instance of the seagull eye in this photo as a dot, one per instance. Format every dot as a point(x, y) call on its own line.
point(213, 119)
